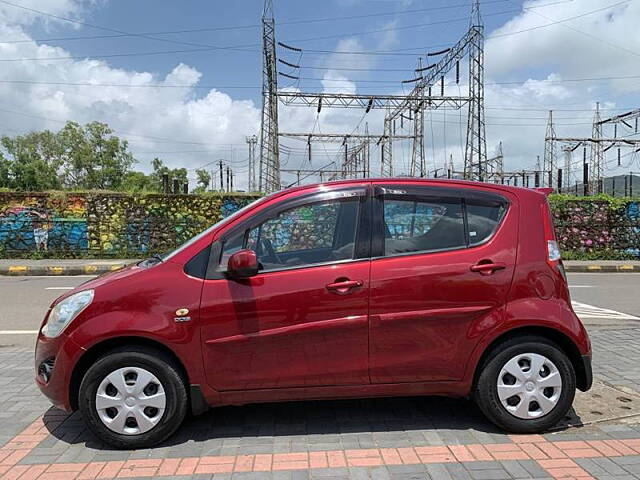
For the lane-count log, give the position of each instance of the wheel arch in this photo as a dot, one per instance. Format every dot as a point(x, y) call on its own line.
point(560, 339)
point(99, 349)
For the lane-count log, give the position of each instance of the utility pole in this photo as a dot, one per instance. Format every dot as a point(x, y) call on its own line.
point(228, 178)
point(221, 178)
point(165, 183)
point(252, 142)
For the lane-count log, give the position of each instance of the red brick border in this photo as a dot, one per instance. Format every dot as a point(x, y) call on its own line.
point(557, 458)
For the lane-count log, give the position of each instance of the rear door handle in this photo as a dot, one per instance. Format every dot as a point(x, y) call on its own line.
point(344, 286)
point(487, 268)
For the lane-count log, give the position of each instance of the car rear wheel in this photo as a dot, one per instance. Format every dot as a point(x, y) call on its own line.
point(133, 397)
point(526, 386)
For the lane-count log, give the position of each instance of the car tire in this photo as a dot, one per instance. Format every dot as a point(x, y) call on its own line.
point(540, 399)
point(133, 397)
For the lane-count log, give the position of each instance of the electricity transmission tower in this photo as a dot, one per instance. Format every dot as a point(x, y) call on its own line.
point(550, 158)
point(593, 166)
point(269, 176)
point(471, 45)
point(476, 149)
point(399, 108)
point(252, 142)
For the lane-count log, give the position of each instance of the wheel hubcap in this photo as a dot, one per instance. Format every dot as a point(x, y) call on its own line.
point(130, 401)
point(529, 386)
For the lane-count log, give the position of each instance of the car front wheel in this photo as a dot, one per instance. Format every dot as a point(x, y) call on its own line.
point(133, 397)
point(526, 386)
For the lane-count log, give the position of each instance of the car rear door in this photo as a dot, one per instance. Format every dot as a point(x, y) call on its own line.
point(443, 260)
point(302, 321)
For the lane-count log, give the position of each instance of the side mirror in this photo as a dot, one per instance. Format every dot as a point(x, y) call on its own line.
point(243, 264)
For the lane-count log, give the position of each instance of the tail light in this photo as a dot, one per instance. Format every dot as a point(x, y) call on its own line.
point(554, 257)
point(553, 251)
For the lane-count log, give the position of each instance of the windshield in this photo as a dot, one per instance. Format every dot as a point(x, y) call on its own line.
point(191, 241)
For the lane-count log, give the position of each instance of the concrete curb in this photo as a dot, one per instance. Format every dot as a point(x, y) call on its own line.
point(594, 268)
point(55, 270)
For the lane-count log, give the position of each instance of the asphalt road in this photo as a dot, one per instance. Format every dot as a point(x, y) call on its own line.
point(604, 300)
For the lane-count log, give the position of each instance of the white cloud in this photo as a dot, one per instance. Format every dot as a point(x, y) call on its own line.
point(152, 119)
point(190, 119)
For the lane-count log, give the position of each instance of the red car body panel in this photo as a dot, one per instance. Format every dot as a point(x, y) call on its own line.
point(415, 324)
point(285, 329)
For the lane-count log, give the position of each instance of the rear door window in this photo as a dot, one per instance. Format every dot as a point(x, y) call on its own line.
point(483, 219)
point(422, 225)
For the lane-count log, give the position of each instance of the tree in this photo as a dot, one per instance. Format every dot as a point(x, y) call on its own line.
point(138, 182)
point(204, 179)
point(94, 158)
point(160, 169)
point(31, 161)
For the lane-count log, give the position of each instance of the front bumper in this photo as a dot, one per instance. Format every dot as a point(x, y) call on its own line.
point(54, 362)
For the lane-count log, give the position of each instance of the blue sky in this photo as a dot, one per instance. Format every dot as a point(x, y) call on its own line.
point(399, 25)
point(535, 52)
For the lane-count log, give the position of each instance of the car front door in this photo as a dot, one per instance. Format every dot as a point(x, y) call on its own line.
point(433, 289)
point(302, 320)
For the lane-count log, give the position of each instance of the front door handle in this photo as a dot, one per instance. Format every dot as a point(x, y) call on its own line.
point(488, 268)
point(343, 286)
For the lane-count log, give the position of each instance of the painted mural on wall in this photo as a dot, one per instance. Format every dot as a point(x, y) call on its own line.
point(43, 223)
point(98, 224)
point(106, 224)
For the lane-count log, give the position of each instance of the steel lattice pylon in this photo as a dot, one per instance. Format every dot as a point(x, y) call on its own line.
point(418, 166)
point(476, 147)
point(269, 175)
point(597, 153)
point(251, 184)
point(550, 159)
point(386, 162)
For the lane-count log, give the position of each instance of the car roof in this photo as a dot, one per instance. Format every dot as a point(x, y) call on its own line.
point(411, 180)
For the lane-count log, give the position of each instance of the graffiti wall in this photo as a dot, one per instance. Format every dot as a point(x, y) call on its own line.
point(76, 225)
point(119, 225)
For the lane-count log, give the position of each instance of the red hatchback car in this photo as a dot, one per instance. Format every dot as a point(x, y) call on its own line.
point(358, 288)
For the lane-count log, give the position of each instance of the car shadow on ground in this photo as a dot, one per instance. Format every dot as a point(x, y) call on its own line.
point(335, 417)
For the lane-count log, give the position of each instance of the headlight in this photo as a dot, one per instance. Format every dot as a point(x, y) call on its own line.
point(64, 312)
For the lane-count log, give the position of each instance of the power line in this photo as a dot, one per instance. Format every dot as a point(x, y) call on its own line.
point(238, 48)
point(390, 82)
point(593, 37)
point(229, 27)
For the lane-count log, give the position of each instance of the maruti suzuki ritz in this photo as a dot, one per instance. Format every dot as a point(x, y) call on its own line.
point(359, 288)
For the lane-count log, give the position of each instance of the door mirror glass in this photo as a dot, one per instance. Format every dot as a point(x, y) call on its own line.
point(243, 264)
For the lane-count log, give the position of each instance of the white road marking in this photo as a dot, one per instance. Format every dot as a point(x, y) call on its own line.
point(59, 288)
point(584, 310)
point(18, 332)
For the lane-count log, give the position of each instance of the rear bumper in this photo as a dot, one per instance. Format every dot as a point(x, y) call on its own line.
point(587, 378)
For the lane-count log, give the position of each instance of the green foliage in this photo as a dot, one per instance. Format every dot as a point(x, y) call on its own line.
point(604, 254)
point(596, 228)
point(159, 170)
point(76, 157)
point(204, 179)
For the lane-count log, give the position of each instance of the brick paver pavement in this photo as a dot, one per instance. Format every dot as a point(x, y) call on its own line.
point(421, 438)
